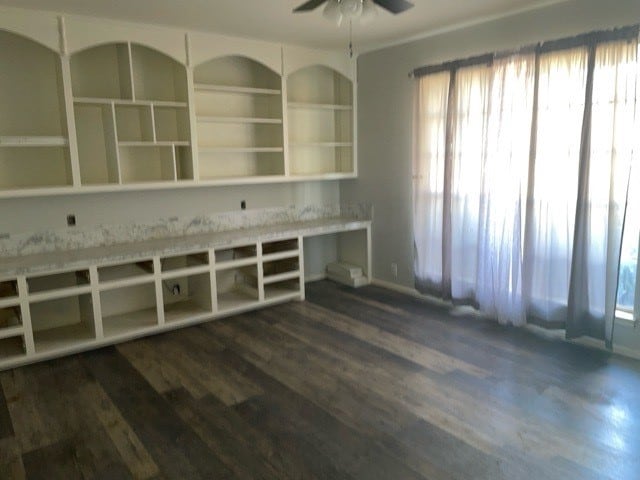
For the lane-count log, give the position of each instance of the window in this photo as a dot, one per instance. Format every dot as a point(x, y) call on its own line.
point(524, 169)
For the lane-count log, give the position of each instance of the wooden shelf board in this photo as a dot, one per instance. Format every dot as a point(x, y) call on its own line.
point(236, 263)
point(322, 144)
point(33, 141)
point(125, 282)
point(246, 180)
point(62, 338)
point(241, 149)
point(186, 271)
point(184, 310)
point(154, 144)
point(9, 302)
point(13, 331)
point(274, 292)
point(129, 322)
point(202, 87)
point(319, 106)
point(220, 119)
point(235, 300)
point(121, 101)
point(59, 293)
point(281, 277)
point(34, 192)
point(269, 257)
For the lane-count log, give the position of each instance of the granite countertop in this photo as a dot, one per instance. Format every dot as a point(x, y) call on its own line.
point(168, 246)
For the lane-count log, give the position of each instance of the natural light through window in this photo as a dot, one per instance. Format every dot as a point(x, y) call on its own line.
point(527, 184)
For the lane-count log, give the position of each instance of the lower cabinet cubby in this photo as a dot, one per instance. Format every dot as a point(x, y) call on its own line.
point(62, 323)
point(290, 288)
point(124, 271)
point(199, 259)
point(232, 254)
point(8, 289)
point(276, 268)
point(12, 348)
point(187, 297)
point(279, 246)
point(58, 281)
point(128, 309)
point(237, 288)
point(10, 317)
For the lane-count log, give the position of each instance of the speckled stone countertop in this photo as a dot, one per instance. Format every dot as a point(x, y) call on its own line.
point(30, 254)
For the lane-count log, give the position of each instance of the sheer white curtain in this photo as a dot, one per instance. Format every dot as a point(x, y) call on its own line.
point(484, 164)
point(521, 183)
point(499, 280)
point(610, 140)
point(552, 199)
point(431, 98)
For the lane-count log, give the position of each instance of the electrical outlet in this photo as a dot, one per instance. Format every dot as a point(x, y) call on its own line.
point(394, 270)
point(71, 220)
point(175, 290)
point(243, 205)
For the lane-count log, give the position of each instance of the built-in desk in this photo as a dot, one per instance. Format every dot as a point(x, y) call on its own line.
point(60, 302)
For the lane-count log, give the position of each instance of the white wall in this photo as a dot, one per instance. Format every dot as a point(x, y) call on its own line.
point(41, 213)
point(385, 113)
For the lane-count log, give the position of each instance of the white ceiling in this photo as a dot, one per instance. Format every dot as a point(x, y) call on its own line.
point(273, 20)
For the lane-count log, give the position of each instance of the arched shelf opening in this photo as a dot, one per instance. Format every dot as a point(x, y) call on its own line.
point(320, 102)
point(34, 149)
point(238, 104)
point(132, 117)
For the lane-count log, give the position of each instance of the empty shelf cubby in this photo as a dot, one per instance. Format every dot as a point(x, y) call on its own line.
point(237, 288)
point(129, 309)
point(180, 262)
point(58, 281)
point(126, 271)
point(187, 297)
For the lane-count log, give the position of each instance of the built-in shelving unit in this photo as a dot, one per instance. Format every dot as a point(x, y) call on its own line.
point(34, 151)
point(11, 325)
point(131, 114)
point(238, 104)
point(96, 114)
point(320, 119)
point(54, 313)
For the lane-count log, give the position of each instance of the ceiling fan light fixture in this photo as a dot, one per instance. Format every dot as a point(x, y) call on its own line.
point(333, 12)
point(351, 8)
point(369, 11)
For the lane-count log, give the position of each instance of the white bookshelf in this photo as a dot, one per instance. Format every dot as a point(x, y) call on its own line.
point(96, 303)
point(320, 122)
point(131, 114)
point(238, 104)
point(34, 150)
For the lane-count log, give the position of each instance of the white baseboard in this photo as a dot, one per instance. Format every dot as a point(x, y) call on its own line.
point(409, 291)
point(587, 342)
point(314, 277)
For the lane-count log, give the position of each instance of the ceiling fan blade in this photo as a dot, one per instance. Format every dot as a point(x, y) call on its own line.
point(308, 6)
point(394, 6)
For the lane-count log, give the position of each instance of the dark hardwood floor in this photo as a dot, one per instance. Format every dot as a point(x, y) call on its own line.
point(358, 384)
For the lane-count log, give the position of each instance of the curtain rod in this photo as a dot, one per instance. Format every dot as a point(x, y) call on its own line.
point(587, 39)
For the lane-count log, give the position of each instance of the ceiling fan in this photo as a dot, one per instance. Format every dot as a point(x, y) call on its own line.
point(335, 10)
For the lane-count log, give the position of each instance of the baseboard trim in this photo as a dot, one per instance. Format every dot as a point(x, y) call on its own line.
point(409, 291)
point(315, 277)
point(585, 342)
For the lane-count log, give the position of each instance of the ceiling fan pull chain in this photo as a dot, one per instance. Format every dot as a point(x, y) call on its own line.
point(350, 38)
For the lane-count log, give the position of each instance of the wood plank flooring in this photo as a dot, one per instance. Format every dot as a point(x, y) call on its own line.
point(351, 384)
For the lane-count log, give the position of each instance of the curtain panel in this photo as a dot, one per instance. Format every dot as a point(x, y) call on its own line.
point(521, 182)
